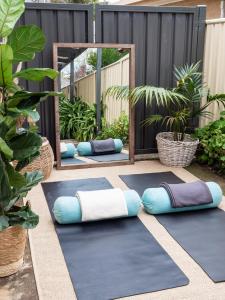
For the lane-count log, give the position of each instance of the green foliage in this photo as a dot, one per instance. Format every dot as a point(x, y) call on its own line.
point(26, 41)
point(10, 11)
point(119, 129)
point(77, 119)
point(109, 56)
point(17, 143)
point(181, 104)
point(36, 74)
point(212, 144)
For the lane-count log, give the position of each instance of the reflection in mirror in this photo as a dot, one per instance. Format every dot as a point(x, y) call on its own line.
point(94, 127)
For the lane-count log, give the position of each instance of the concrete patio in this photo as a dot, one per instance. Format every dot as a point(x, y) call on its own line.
point(52, 277)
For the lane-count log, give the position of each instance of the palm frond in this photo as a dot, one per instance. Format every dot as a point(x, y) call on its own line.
point(160, 96)
point(152, 119)
point(118, 92)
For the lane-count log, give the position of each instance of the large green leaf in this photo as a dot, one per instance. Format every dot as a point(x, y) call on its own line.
point(15, 178)
point(36, 74)
point(28, 100)
point(15, 112)
point(6, 57)
point(26, 41)
point(25, 145)
point(4, 148)
point(5, 188)
point(23, 216)
point(32, 179)
point(10, 11)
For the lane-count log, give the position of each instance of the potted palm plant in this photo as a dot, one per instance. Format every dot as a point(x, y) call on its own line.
point(182, 106)
point(17, 143)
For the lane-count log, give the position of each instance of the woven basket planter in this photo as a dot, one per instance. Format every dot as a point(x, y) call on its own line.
point(176, 153)
point(44, 162)
point(12, 246)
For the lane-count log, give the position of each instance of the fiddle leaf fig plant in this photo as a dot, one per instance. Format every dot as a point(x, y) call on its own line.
point(18, 145)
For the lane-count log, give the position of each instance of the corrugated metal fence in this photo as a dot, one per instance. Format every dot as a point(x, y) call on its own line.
point(214, 62)
point(164, 37)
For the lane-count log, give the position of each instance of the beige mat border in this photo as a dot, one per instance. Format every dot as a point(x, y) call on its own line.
point(52, 277)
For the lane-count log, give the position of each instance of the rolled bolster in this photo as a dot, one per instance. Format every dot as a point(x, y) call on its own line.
point(156, 200)
point(70, 152)
point(84, 148)
point(67, 210)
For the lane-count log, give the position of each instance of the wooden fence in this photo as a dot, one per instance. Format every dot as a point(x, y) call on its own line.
point(114, 74)
point(214, 62)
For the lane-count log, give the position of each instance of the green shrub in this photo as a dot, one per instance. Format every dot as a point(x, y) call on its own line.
point(77, 119)
point(119, 129)
point(109, 56)
point(212, 144)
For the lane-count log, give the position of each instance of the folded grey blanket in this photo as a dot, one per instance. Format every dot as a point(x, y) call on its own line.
point(188, 194)
point(103, 146)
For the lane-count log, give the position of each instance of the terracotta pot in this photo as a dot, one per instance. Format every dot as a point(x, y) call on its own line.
point(12, 247)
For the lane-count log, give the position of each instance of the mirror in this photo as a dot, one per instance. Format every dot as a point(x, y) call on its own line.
point(92, 126)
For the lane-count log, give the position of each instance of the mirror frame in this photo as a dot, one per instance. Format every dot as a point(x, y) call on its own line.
point(131, 49)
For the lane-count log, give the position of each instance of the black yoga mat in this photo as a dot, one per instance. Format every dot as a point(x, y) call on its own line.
point(200, 233)
point(71, 161)
point(109, 157)
point(140, 182)
point(114, 258)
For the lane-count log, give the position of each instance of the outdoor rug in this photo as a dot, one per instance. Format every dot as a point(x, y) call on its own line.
point(109, 157)
point(200, 233)
point(114, 258)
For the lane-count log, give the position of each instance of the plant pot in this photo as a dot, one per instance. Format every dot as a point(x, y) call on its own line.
point(44, 162)
point(12, 246)
point(176, 153)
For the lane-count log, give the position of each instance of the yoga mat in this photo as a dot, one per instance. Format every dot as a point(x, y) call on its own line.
point(114, 258)
point(71, 161)
point(200, 233)
point(140, 182)
point(109, 157)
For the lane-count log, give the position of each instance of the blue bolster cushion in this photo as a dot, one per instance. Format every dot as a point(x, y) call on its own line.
point(157, 201)
point(67, 210)
point(84, 148)
point(71, 151)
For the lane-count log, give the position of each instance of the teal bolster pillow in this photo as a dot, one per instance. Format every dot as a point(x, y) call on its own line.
point(157, 201)
point(70, 152)
point(84, 148)
point(67, 209)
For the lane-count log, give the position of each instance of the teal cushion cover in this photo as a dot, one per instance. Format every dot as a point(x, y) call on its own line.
point(157, 201)
point(67, 209)
point(84, 148)
point(71, 151)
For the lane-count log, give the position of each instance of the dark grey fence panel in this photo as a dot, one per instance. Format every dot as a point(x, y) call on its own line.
point(164, 37)
point(61, 23)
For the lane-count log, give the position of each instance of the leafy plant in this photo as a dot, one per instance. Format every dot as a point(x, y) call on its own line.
point(212, 144)
point(182, 104)
point(109, 56)
point(77, 119)
point(119, 129)
point(18, 144)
